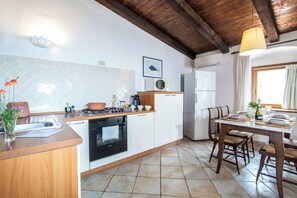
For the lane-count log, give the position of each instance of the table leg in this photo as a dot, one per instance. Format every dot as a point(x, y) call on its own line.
point(277, 139)
point(221, 147)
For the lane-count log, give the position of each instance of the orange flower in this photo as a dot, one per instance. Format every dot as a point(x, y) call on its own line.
point(13, 81)
point(8, 83)
point(2, 91)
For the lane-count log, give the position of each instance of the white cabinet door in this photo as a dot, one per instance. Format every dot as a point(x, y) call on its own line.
point(140, 133)
point(162, 119)
point(176, 132)
point(82, 129)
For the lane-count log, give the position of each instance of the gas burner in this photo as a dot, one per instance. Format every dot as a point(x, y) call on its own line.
point(115, 110)
point(106, 110)
point(88, 111)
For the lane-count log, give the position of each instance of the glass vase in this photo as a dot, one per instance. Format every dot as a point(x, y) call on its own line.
point(9, 126)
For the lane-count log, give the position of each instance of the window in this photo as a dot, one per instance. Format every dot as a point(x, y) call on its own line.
point(268, 84)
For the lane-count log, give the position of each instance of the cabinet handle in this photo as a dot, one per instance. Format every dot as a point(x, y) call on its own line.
point(141, 115)
point(173, 95)
point(167, 94)
point(195, 98)
point(76, 123)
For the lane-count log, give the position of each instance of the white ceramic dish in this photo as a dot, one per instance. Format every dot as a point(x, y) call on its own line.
point(147, 107)
point(139, 107)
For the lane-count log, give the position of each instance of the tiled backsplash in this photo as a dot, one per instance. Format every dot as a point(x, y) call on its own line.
point(48, 85)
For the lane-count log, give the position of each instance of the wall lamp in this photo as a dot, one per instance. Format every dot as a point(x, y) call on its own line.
point(40, 41)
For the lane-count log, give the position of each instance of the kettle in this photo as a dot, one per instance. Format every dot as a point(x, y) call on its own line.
point(135, 100)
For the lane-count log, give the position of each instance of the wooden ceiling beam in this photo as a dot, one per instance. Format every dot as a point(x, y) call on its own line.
point(265, 14)
point(135, 19)
point(191, 16)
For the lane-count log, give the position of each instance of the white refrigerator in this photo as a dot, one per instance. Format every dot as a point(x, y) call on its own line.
point(199, 93)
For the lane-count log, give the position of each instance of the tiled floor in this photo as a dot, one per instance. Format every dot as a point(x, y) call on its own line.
point(183, 171)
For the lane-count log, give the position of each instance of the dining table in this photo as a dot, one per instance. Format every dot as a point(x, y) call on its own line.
point(275, 133)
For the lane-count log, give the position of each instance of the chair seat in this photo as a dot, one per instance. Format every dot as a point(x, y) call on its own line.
point(290, 142)
point(231, 139)
point(241, 134)
point(289, 152)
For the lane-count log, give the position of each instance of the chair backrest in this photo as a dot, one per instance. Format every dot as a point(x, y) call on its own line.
point(224, 110)
point(213, 127)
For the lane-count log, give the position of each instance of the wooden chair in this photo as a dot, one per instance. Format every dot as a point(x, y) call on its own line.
point(268, 150)
point(288, 143)
point(248, 136)
point(230, 141)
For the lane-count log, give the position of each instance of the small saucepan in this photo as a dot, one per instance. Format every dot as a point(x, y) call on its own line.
point(96, 105)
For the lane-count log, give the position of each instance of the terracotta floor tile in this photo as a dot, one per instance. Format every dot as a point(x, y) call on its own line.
point(137, 161)
point(198, 147)
point(96, 182)
point(116, 195)
point(190, 161)
point(83, 179)
point(195, 173)
point(288, 190)
point(109, 171)
point(223, 175)
point(174, 187)
point(169, 153)
point(171, 172)
point(147, 185)
point(91, 194)
point(145, 196)
point(183, 171)
point(151, 160)
point(149, 171)
point(229, 188)
point(170, 161)
point(186, 152)
point(257, 189)
point(123, 184)
point(128, 170)
point(202, 188)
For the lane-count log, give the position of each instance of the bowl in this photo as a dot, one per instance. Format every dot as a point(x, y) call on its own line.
point(139, 107)
point(147, 107)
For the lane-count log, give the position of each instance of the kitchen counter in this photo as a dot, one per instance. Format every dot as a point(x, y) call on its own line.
point(83, 116)
point(25, 146)
point(65, 138)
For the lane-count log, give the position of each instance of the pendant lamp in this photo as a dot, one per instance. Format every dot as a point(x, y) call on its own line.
point(252, 41)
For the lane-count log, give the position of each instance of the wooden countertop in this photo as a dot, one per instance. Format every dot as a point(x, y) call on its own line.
point(65, 138)
point(83, 116)
point(161, 92)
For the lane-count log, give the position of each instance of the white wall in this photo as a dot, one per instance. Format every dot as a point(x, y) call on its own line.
point(84, 32)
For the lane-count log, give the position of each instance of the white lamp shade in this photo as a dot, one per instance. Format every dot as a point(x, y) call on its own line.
point(252, 42)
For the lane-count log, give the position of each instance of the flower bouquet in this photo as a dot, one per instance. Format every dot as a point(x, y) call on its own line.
point(8, 116)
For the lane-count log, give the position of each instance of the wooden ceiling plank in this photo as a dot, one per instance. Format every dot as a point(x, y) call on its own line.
point(186, 11)
point(265, 14)
point(132, 17)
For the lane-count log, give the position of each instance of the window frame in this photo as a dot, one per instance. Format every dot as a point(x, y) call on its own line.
point(255, 70)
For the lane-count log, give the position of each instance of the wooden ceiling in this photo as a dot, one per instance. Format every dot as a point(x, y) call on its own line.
point(197, 26)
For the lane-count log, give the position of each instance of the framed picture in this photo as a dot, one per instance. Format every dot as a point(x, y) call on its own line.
point(152, 67)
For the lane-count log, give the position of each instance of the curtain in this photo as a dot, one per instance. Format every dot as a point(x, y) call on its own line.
point(290, 94)
point(242, 82)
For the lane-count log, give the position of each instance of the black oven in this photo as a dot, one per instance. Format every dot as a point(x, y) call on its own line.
point(107, 136)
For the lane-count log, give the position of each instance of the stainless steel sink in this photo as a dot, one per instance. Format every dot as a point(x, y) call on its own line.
point(37, 123)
